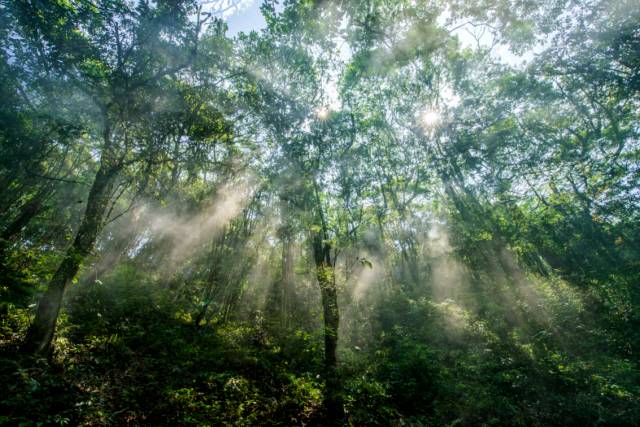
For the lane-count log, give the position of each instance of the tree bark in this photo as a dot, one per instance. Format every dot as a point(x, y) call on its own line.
point(287, 279)
point(212, 284)
point(286, 283)
point(326, 281)
point(325, 274)
point(42, 329)
point(27, 212)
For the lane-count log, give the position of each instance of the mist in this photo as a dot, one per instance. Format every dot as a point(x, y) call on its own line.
point(340, 213)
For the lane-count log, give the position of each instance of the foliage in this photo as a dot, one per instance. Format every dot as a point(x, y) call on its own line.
point(365, 213)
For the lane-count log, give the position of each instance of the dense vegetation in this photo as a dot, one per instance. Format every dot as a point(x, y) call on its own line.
point(370, 212)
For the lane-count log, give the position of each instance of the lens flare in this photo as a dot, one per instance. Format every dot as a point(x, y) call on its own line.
point(323, 113)
point(429, 118)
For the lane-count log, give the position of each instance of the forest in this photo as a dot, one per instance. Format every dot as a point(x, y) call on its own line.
point(345, 213)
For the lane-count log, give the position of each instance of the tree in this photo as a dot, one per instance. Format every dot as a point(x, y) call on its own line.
point(126, 59)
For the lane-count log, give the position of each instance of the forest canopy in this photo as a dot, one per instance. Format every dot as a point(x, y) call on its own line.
point(360, 212)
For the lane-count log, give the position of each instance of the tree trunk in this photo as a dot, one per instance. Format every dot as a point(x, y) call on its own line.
point(286, 283)
point(40, 333)
point(27, 212)
point(326, 281)
point(287, 279)
point(325, 274)
point(212, 284)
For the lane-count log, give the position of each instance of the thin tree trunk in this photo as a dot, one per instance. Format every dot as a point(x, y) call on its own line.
point(212, 284)
point(42, 329)
point(287, 278)
point(286, 283)
point(30, 209)
point(27, 212)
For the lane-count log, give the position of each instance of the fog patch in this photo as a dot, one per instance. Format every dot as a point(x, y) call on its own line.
point(186, 235)
point(448, 277)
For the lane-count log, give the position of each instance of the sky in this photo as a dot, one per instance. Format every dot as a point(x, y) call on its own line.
point(247, 18)
point(244, 16)
point(240, 15)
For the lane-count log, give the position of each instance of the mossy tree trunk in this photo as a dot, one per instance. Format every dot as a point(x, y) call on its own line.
point(42, 329)
point(325, 274)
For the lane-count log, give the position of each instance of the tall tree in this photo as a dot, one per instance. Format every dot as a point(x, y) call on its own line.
point(126, 60)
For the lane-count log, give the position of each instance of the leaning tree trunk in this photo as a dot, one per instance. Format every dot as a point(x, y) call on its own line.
point(10, 233)
point(27, 212)
point(40, 333)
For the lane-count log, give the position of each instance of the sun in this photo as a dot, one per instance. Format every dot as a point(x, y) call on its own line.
point(323, 113)
point(429, 118)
